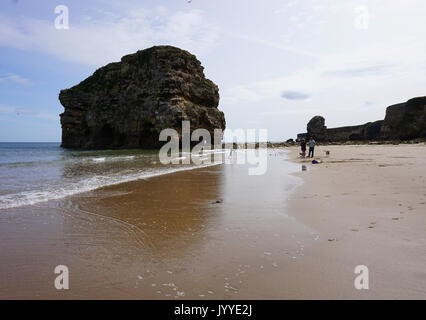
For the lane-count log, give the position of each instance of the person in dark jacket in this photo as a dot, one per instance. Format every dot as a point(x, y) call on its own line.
point(303, 148)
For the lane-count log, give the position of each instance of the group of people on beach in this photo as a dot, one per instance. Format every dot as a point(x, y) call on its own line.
point(311, 144)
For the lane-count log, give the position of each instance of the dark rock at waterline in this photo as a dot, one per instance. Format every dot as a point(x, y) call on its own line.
point(126, 104)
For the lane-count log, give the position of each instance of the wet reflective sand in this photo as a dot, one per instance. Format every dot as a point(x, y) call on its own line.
point(213, 233)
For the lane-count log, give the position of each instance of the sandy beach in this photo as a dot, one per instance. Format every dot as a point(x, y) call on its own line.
point(368, 203)
point(296, 232)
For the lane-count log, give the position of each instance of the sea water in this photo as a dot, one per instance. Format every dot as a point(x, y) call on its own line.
point(33, 172)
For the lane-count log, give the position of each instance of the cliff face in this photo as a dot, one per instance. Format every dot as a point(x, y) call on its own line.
point(393, 119)
point(406, 120)
point(402, 121)
point(368, 131)
point(126, 104)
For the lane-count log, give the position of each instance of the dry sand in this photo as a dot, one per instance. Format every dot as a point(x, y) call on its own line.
point(369, 205)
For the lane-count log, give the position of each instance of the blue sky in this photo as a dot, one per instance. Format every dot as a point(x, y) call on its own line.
point(277, 63)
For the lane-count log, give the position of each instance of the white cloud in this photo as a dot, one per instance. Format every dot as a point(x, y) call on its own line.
point(338, 86)
point(98, 41)
point(364, 68)
point(265, 42)
point(14, 78)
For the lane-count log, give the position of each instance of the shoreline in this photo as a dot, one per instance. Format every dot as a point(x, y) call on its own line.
point(142, 176)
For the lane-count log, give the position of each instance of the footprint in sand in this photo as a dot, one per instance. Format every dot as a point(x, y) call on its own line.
point(395, 218)
point(355, 230)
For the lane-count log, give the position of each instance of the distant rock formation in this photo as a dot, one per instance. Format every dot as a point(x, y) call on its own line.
point(316, 128)
point(394, 116)
point(126, 104)
point(402, 121)
point(405, 120)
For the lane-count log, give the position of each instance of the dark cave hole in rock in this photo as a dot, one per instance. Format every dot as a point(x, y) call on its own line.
point(105, 135)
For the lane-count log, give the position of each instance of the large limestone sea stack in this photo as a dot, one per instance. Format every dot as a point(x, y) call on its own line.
point(126, 104)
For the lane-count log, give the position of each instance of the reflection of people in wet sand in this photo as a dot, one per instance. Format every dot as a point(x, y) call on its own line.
point(303, 148)
point(232, 152)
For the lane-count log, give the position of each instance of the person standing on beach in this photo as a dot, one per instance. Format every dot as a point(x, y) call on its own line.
point(311, 147)
point(303, 148)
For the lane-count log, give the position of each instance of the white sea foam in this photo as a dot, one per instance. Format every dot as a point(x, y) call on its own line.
point(89, 184)
point(110, 159)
